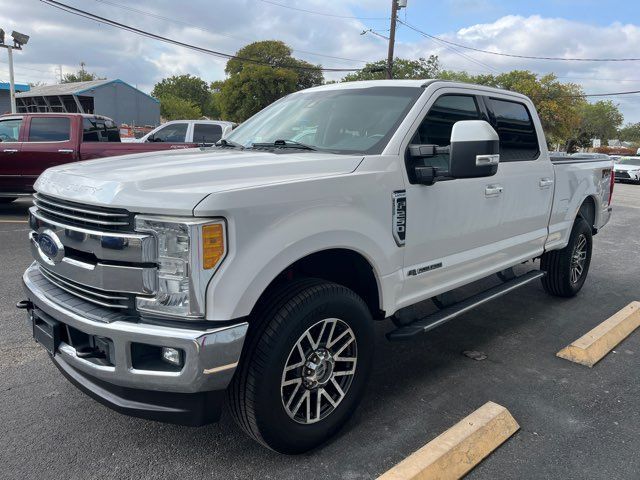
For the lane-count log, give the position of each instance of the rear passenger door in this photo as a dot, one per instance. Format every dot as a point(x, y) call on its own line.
point(49, 141)
point(527, 176)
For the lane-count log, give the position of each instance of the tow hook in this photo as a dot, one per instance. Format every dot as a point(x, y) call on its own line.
point(90, 352)
point(24, 305)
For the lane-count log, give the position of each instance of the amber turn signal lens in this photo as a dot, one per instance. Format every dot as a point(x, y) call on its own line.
point(212, 245)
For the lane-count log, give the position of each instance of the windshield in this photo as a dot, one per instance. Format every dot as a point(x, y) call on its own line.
point(355, 120)
point(629, 161)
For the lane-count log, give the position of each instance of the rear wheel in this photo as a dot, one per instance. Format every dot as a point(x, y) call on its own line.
point(305, 366)
point(567, 268)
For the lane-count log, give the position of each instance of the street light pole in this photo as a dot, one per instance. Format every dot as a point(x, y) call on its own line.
point(19, 39)
point(12, 84)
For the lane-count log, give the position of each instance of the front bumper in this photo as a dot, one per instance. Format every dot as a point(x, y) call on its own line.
point(210, 357)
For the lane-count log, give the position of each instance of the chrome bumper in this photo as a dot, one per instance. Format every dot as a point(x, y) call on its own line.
point(210, 356)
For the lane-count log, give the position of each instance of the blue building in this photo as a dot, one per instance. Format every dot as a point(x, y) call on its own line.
point(112, 98)
point(5, 96)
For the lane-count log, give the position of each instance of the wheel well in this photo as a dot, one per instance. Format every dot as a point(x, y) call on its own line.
point(342, 266)
point(588, 212)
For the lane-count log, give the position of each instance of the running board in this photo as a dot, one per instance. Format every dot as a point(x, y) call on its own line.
point(440, 317)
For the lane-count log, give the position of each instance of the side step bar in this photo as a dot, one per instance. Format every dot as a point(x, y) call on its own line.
point(440, 317)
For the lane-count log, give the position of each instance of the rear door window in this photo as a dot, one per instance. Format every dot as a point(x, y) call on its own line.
point(49, 129)
point(10, 130)
point(99, 130)
point(206, 133)
point(176, 132)
point(518, 137)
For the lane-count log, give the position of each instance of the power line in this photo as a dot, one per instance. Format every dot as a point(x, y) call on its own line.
point(144, 33)
point(529, 57)
point(192, 25)
point(322, 13)
point(614, 94)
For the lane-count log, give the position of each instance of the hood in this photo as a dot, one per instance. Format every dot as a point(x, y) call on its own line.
point(174, 182)
point(625, 167)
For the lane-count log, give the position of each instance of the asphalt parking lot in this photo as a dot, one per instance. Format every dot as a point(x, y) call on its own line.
point(575, 422)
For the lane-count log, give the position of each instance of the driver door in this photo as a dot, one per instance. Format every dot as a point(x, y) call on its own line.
point(10, 155)
point(453, 226)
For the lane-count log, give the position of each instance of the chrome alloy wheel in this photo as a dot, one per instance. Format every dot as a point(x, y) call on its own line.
point(578, 258)
point(319, 371)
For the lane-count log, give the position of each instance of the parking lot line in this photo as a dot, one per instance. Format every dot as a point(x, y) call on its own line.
point(455, 452)
point(593, 346)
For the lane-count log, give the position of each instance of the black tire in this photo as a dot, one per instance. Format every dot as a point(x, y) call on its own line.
point(5, 200)
point(558, 263)
point(256, 395)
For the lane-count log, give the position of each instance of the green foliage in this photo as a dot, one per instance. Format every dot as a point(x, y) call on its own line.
point(276, 54)
point(193, 90)
point(630, 133)
point(176, 108)
point(601, 120)
point(80, 76)
point(402, 69)
point(253, 88)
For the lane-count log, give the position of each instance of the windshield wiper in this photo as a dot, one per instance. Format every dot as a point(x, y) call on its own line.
point(228, 143)
point(286, 144)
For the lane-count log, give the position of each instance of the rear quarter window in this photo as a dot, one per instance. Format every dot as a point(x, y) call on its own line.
point(518, 137)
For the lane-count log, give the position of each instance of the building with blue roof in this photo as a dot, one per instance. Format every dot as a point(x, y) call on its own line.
point(112, 98)
point(5, 96)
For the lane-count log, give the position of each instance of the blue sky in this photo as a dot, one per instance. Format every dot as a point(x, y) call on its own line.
point(564, 28)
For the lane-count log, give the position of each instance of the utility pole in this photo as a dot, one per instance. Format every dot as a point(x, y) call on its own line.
point(395, 6)
point(19, 39)
point(392, 38)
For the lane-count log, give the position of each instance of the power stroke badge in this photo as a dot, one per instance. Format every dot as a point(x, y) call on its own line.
point(399, 216)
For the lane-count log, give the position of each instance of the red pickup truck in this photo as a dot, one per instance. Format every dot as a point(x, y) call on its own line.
point(32, 142)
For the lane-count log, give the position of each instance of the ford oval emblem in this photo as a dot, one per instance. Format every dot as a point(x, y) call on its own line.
point(50, 246)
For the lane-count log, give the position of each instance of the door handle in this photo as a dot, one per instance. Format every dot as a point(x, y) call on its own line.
point(493, 190)
point(65, 150)
point(10, 150)
point(545, 182)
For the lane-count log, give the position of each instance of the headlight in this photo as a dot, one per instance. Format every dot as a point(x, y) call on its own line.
point(189, 252)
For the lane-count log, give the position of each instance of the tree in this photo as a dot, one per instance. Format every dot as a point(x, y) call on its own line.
point(193, 90)
point(176, 108)
point(597, 120)
point(559, 105)
point(276, 54)
point(253, 88)
point(80, 76)
point(402, 69)
point(630, 133)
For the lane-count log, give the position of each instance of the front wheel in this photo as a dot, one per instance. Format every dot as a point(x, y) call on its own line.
point(567, 268)
point(305, 366)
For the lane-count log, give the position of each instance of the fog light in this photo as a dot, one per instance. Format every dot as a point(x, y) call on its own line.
point(172, 356)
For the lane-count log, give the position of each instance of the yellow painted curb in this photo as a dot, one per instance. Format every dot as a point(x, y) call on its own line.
point(592, 347)
point(455, 452)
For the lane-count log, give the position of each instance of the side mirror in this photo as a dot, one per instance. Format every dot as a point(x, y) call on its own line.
point(475, 149)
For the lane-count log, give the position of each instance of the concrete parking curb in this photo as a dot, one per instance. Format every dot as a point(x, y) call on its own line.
point(593, 346)
point(455, 452)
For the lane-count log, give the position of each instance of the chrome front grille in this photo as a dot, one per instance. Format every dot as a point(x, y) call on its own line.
point(86, 216)
point(103, 298)
point(104, 264)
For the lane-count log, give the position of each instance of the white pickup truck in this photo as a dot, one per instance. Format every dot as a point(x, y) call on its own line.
point(255, 269)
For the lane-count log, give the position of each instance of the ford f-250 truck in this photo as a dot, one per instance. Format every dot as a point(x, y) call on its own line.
point(32, 142)
point(256, 268)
